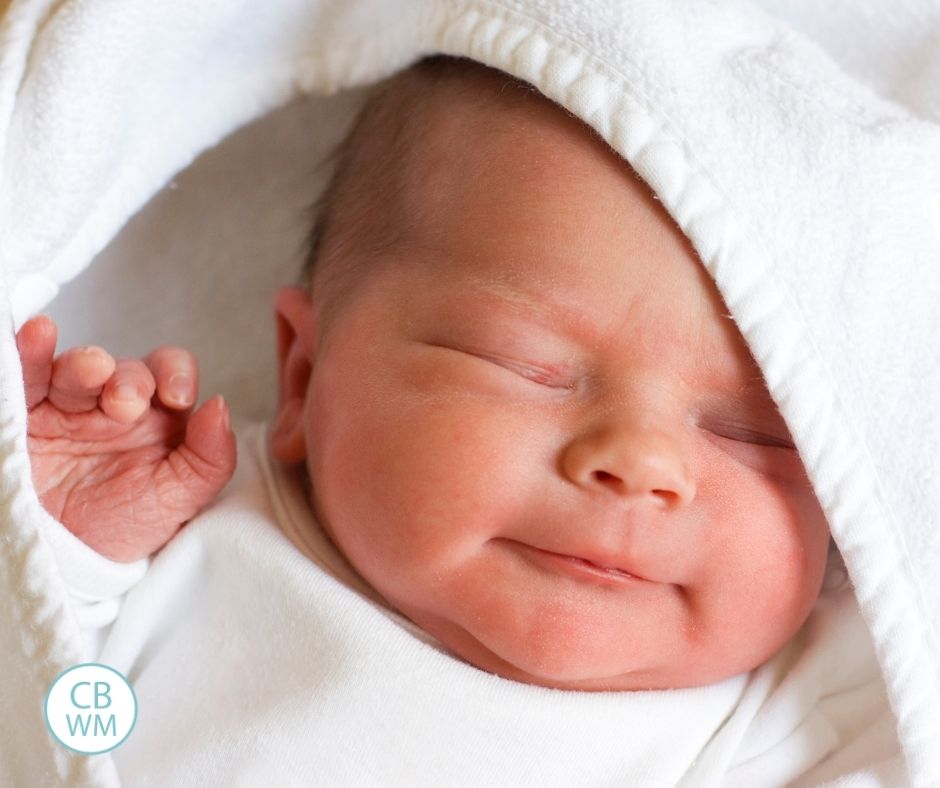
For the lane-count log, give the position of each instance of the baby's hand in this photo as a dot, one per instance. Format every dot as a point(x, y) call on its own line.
point(122, 467)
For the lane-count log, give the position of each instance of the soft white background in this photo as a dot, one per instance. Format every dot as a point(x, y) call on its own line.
point(200, 264)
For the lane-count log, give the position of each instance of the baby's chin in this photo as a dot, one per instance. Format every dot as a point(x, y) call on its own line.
point(555, 664)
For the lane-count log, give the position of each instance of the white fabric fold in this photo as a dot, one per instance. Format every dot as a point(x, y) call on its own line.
point(286, 667)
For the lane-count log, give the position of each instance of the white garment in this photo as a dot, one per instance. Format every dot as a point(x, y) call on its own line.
point(258, 655)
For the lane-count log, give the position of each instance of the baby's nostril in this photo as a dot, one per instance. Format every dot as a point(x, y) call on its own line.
point(667, 498)
point(603, 476)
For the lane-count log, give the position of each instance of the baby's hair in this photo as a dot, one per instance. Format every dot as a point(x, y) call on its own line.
point(364, 212)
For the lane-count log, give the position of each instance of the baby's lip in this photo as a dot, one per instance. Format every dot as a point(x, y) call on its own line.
point(598, 559)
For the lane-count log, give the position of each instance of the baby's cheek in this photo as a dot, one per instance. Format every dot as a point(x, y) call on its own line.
point(763, 557)
point(417, 484)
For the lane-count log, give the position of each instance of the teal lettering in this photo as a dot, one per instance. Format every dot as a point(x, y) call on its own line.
point(104, 728)
point(78, 723)
point(99, 694)
point(75, 703)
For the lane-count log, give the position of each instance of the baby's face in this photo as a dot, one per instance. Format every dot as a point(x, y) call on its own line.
point(536, 433)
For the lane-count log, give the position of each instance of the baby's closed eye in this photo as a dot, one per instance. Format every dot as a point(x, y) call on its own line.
point(764, 451)
point(744, 434)
point(544, 374)
point(513, 373)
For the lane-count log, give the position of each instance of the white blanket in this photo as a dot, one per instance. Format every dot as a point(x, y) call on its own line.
point(800, 155)
point(358, 695)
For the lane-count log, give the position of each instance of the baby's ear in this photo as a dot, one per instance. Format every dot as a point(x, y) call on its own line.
point(296, 346)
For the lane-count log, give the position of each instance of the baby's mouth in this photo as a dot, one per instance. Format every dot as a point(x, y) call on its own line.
point(577, 565)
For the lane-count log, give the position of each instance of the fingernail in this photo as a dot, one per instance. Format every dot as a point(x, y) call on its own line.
point(226, 417)
point(124, 392)
point(179, 388)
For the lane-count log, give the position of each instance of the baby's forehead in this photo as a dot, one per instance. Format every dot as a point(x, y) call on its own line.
point(485, 143)
point(488, 114)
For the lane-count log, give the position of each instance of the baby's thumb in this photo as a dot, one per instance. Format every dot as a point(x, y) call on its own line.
point(209, 446)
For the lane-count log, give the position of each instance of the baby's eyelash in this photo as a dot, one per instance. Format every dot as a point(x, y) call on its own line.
point(541, 376)
point(759, 440)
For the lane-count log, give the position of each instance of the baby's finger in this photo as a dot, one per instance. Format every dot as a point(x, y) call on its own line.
point(201, 466)
point(35, 342)
point(126, 395)
point(78, 376)
point(177, 375)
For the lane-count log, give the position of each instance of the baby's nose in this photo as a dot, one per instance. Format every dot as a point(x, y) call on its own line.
point(632, 461)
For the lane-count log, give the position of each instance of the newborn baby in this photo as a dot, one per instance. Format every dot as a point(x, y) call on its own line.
point(528, 422)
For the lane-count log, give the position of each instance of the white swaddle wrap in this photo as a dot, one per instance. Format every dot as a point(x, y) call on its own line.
point(797, 147)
